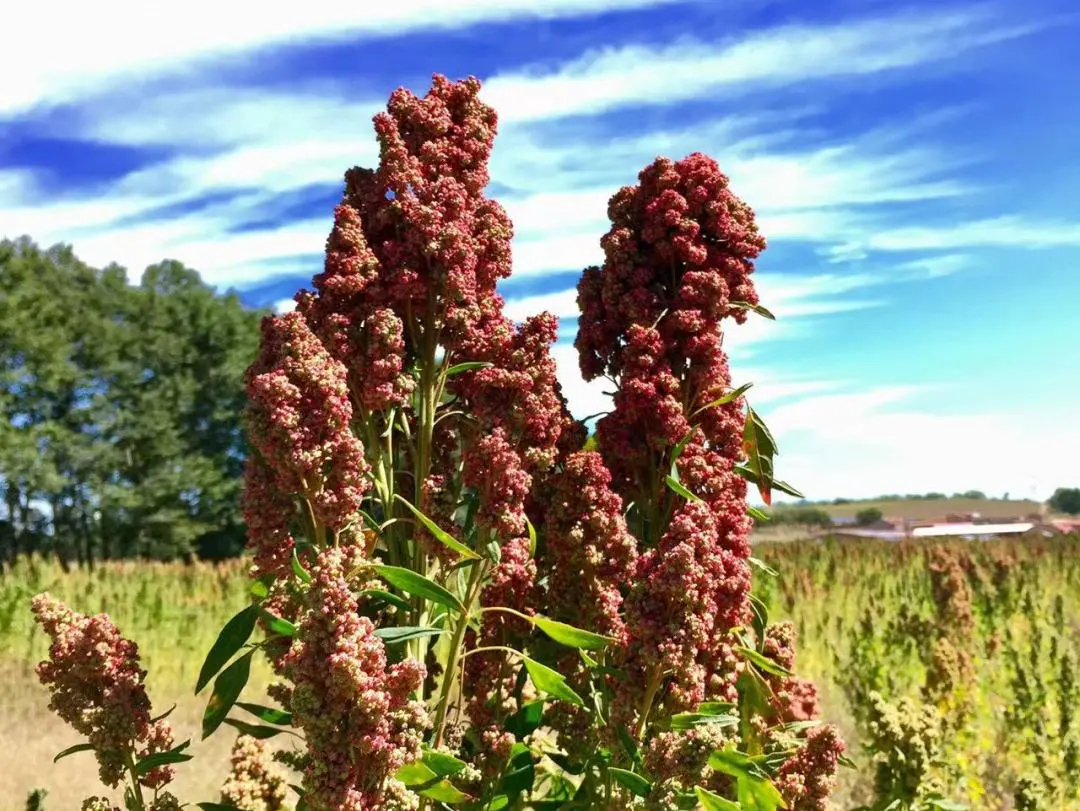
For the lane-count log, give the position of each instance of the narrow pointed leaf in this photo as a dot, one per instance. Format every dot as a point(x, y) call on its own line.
point(277, 625)
point(440, 534)
point(714, 802)
point(227, 688)
point(232, 638)
point(635, 783)
point(679, 488)
point(414, 583)
point(254, 730)
point(71, 750)
point(754, 308)
point(762, 566)
point(174, 755)
point(466, 366)
point(268, 715)
point(442, 763)
point(298, 568)
point(402, 633)
point(551, 682)
point(729, 397)
point(386, 597)
point(762, 661)
point(569, 635)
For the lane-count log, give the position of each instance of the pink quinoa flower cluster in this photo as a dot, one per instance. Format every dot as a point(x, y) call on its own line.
point(412, 264)
point(299, 426)
point(358, 720)
point(490, 676)
point(99, 689)
point(793, 698)
point(678, 259)
point(590, 556)
point(681, 605)
point(680, 251)
point(253, 783)
point(808, 779)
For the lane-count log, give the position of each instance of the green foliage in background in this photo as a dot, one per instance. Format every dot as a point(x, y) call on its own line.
point(120, 432)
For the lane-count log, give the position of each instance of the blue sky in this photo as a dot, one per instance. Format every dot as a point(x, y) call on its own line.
point(912, 165)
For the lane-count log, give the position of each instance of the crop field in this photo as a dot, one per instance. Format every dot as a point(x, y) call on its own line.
point(937, 508)
point(972, 648)
point(172, 611)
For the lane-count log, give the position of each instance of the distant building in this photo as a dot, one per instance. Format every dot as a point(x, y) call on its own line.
point(973, 531)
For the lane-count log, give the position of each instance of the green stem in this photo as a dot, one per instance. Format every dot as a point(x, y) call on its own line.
point(653, 684)
point(456, 654)
point(129, 762)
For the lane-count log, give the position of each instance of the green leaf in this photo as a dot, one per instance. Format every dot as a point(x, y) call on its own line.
point(527, 719)
point(714, 802)
point(757, 794)
point(762, 566)
point(298, 568)
point(71, 750)
point(232, 638)
point(755, 791)
point(729, 397)
point(164, 715)
point(630, 745)
point(174, 755)
point(440, 534)
point(442, 763)
point(637, 785)
point(757, 515)
point(394, 635)
point(551, 682)
point(415, 774)
point(227, 688)
point(267, 714)
point(679, 488)
point(414, 583)
point(847, 762)
point(446, 792)
point(277, 625)
point(216, 807)
point(466, 366)
point(532, 537)
point(762, 661)
point(569, 635)
point(761, 618)
point(386, 597)
point(715, 707)
point(419, 777)
point(260, 589)
point(520, 772)
point(254, 730)
point(688, 720)
point(754, 308)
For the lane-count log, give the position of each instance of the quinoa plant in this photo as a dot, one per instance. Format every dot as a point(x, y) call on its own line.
point(463, 605)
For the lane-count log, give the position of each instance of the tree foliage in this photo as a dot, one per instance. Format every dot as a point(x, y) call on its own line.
point(1066, 500)
point(120, 433)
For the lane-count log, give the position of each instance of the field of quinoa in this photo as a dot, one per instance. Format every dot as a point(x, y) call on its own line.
point(949, 668)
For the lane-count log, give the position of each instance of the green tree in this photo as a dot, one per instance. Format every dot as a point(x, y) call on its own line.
point(868, 516)
point(1066, 500)
point(120, 433)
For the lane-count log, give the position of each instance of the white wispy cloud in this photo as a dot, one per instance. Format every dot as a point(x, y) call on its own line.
point(114, 40)
point(618, 76)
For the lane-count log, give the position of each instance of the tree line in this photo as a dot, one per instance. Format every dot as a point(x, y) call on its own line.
point(121, 412)
point(121, 406)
